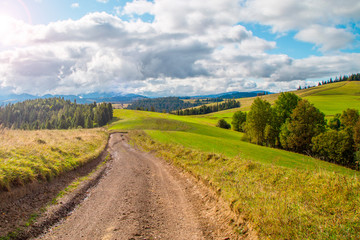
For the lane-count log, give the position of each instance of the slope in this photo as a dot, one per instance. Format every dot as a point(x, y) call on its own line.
point(330, 99)
point(282, 194)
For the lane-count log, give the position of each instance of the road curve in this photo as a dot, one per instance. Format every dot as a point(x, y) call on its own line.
point(142, 197)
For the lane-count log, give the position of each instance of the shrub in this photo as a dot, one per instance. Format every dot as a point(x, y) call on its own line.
point(223, 124)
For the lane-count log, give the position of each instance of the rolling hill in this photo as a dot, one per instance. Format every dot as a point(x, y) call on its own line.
point(330, 99)
point(284, 195)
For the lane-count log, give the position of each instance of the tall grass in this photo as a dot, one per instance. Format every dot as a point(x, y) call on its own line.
point(27, 156)
point(279, 202)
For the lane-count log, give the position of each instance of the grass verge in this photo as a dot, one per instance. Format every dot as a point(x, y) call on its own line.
point(279, 202)
point(27, 156)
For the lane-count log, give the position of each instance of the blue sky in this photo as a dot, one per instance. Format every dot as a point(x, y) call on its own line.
point(175, 47)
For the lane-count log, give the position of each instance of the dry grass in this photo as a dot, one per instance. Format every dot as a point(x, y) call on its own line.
point(27, 156)
point(279, 202)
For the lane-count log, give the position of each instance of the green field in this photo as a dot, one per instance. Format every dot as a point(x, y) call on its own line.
point(334, 98)
point(197, 133)
point(283, 195)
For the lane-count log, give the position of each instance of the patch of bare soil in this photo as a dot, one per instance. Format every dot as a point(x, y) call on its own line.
point(143, 197)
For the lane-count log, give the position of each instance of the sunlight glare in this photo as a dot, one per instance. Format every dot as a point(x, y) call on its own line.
point(5, 25)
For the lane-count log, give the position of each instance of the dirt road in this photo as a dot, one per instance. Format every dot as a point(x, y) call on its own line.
point(143, 197)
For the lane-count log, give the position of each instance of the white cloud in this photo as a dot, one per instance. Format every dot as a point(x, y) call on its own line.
point(103, 1)
point(328, 38)
point(75, 5)
point(139, 7)
point(317, 18)
point(190, 48)
point(317, 67)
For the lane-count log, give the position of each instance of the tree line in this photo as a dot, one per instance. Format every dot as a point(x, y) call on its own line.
point(296, 125)
point(204, 109)
point(168, 104)
point(352, 77)
point(54, 113)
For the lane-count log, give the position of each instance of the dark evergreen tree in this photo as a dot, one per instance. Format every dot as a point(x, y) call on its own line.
point(53, 113)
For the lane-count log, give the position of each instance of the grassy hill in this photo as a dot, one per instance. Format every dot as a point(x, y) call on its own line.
point(329, 98)
point(27, 156)
point(333, 98)
point(199, 134)
point(284, 195)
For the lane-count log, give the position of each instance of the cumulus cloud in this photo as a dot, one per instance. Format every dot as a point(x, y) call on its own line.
point(190, 48)
point(327, 38)
point(317, 18)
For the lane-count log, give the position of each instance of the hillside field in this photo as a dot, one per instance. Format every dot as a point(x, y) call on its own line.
point(329, 98)
point(281, 193)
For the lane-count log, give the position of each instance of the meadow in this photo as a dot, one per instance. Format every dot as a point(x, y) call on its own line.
point(27, 156)
point(283, 195)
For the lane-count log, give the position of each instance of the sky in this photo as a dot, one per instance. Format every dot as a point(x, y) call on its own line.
point(175, 47)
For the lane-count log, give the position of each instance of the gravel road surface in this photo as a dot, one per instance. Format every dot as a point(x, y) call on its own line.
point(143, 197)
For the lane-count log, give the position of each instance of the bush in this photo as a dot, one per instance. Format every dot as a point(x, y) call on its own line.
point(223, 124)
point(334, 146)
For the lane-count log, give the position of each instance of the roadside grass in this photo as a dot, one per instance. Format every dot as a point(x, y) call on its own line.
point(279, 202)
point(27, 156)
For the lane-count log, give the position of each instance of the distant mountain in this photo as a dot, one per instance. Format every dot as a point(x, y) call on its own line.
point(230, 95)
point(83, 99)
point(116, 97)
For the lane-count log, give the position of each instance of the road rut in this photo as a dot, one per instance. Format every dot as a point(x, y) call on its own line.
point(143, 197)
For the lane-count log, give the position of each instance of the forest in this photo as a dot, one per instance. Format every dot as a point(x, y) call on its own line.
point(204, 109)
point(168, 104)
point(294, 124)
point(54, 113)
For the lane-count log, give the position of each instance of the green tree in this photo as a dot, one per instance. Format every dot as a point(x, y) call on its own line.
point(335, 146)
point(349, 117)
point(356, 135)
point(304, 123)
point(223, 124)
point(88, 122)
point(334, 123)
point(259, 116)
point(284, 105)
point(238, 120)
